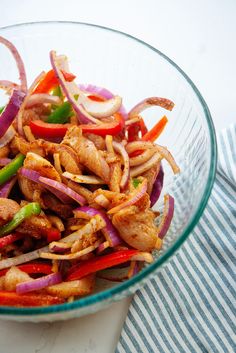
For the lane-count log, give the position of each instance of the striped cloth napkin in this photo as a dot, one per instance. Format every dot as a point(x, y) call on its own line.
point(190, 304)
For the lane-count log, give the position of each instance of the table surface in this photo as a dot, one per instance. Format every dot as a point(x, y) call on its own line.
point(200, 37)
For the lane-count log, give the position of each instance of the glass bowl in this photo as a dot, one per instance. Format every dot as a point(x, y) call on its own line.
point(134, 70)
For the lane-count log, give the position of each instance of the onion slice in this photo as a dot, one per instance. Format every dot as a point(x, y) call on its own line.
point(149, 102)
point(61, 191)
point(118, 147)
point(39, 283)
point(168, 156)
point(84, 179)
point(136, 195)
point(10, 111)
point(167, 216)
point(8, 86)
point(109, 231)
point(21, 259)
point(157, 187)
point(103, 93)
point(85, 108)
point(6, 188)
point(8, 136)
point(4, 161)
point(140, 169)
point(18, 60)
point(56, 185)
point(23, 105)
point(143, 256)
point(83, 116)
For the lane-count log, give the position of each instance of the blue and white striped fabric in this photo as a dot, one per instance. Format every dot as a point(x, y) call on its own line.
point(190, 305)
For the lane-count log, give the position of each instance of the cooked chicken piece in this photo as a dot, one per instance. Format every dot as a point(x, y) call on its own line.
point(35, 226)
point(136, 228)
point(43, 166)
point(32, 191)
point(116, 174)
point(151, 175)
point(52, 203)
point(115, 198)
point(80, 287)
point(19, 144)
point(8, 208)
point(4, 151)
point(87, 152)
point(98, 141)
point(69, 159)
point(13, 277)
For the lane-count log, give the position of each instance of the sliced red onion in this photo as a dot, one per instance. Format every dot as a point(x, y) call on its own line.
point(102, 92)
point(133, 270)
point(142, 256)
point(11, 110)
point(149, 102)
point(168, 156)
point(118, 147)
point(167, 216)
point(59, 247)
point(21, 259)
point(102, 109)
point(8, 86)
point(140, 169)
point(110, 232)
point(23, 105)
point(6, 188)
point(18, 60)
point(65, 190)
point(41, 98)
point(39, 283)
point(85, 179)
point(4, 161)
point(138, 145)
point(135, 197)
point(83, 116)
point(8, 136)
point(61, 191)
point(103, 246)
point(157, 187)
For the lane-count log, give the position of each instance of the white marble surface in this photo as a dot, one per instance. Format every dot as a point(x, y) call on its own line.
point(200, 36)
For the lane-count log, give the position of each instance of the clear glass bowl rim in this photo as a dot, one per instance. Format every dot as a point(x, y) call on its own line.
point(147, 271)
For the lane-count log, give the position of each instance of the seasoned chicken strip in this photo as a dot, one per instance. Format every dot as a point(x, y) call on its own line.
point(136, 228)
point(8, 208)
point(87, 152)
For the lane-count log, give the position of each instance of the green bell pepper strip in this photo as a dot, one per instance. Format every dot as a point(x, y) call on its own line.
point(57, 92)
point(136, 182)
point(61, 114)
point(32, 209)
point(1, 109)
point(11, 168)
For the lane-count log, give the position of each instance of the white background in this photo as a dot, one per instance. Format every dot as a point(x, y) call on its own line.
point(200, 36)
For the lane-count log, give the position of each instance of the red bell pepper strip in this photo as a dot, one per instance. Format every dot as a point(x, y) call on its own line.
point(52, 234)
point(50, 81)
point(9, 239)
point(143, 127)
point(157, 129)
point(100, 263)
point(13, 299)
point(32, 268)
point(111, 128)
point(46, 130)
